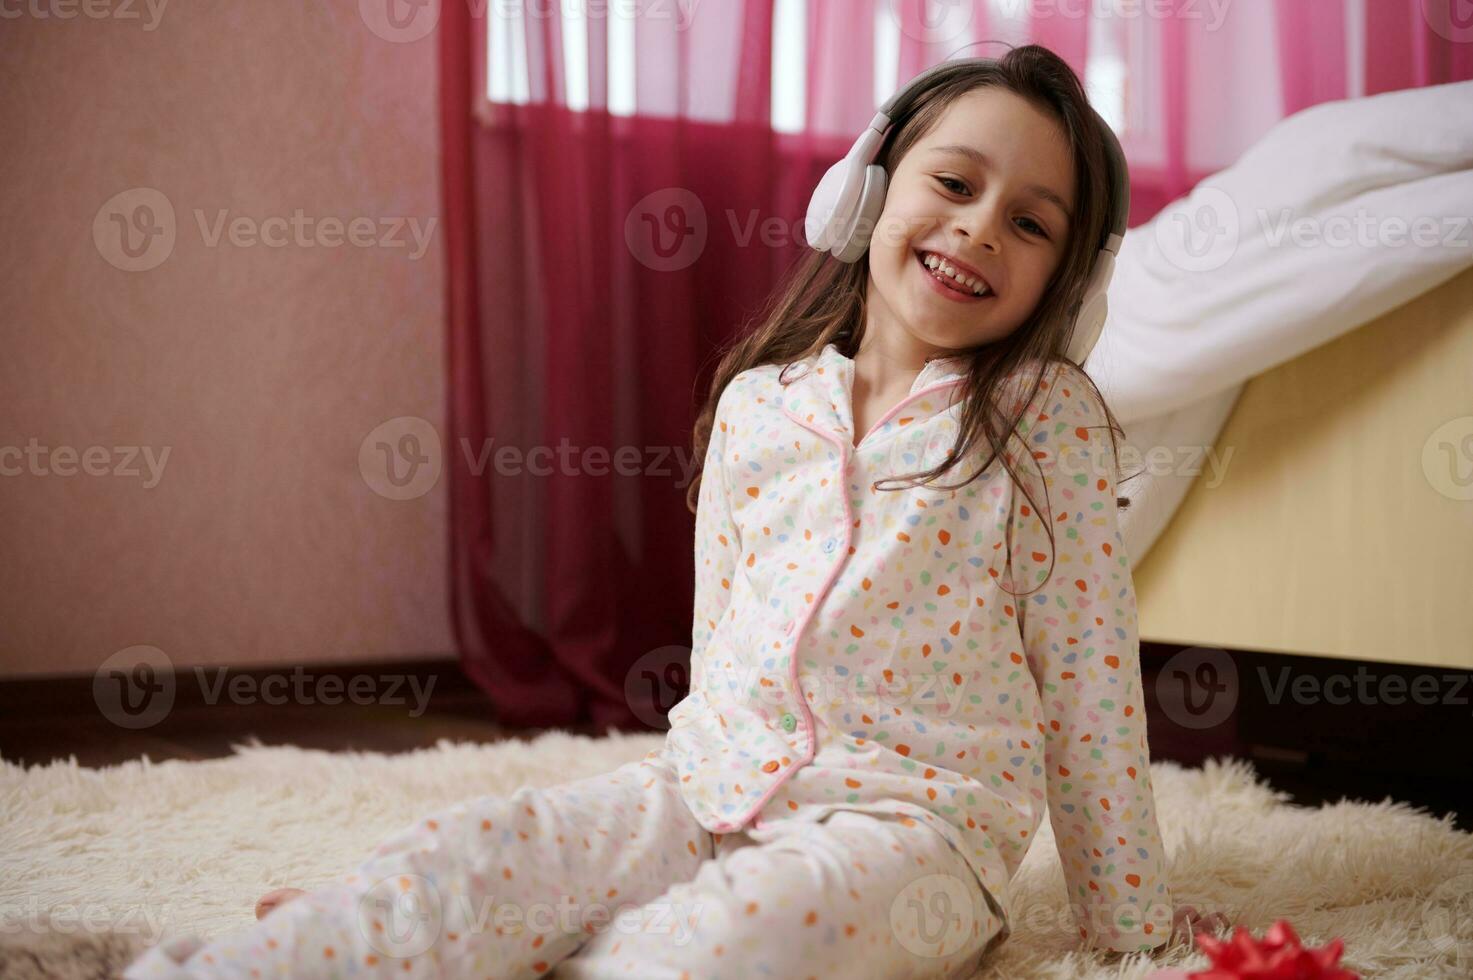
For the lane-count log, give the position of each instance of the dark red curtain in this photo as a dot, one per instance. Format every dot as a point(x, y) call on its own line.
point(598, 261)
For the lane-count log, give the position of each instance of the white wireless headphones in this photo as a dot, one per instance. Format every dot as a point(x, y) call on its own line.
point(849, 199)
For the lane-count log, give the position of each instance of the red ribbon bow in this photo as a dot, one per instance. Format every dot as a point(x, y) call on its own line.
point(1278, 956)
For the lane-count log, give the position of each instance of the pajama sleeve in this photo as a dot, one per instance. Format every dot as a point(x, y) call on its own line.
point(1081, 645)
point(718, 543)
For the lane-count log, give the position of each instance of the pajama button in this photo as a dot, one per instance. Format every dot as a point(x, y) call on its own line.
point(789, 722)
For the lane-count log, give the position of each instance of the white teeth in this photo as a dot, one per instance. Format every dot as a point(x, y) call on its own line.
point(940, 265)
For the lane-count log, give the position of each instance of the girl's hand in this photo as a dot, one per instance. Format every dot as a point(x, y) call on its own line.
point(1186, 922)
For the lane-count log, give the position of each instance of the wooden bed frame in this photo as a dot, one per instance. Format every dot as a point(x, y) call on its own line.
point(1344, 525)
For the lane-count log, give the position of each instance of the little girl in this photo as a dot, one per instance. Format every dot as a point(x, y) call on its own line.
point(892, 673)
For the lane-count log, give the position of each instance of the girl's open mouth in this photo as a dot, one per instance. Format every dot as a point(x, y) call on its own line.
point(947, 285)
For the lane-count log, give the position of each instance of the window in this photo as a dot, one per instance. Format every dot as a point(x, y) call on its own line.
point(1118, 61)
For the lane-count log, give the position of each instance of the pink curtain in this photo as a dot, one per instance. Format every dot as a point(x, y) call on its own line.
point(633, 191)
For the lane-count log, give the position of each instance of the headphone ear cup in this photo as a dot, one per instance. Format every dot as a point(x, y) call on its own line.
point(822, 221)
point(871, 204)
point(1089, 322)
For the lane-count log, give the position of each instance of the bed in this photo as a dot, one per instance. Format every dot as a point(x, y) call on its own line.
point(1289, 351)
point(1340, 521)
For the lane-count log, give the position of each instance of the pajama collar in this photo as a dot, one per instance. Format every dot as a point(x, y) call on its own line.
point(820, 391)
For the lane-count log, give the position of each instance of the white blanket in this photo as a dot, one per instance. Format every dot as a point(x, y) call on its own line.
point(1341, 212)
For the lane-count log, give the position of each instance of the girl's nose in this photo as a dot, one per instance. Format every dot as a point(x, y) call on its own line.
point(980, 225)
point(978, 232)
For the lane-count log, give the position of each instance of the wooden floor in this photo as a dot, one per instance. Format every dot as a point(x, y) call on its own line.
point(1418, 754)
point(54, 719)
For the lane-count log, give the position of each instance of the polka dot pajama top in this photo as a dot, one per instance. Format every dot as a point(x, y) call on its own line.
point(855, 649)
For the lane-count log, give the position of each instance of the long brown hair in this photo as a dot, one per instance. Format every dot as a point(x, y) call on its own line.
point(822, 300)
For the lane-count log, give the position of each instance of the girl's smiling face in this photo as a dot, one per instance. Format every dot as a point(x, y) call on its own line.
point(991, 187)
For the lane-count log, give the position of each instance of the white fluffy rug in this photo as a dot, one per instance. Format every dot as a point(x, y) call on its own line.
point(96, 864)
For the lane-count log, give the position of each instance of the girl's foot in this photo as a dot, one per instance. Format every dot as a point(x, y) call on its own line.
point(272, 899)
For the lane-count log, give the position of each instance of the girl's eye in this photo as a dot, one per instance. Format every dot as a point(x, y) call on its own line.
point(1038, 229)
point(1034, 228)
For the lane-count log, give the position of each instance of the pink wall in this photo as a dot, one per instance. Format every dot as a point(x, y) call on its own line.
point(259, 369)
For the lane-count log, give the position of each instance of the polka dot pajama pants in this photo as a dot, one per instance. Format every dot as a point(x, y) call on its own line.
point(611, 876)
